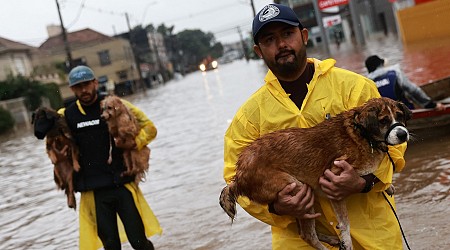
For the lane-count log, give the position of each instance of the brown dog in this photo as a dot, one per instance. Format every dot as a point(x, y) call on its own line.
point(124, 128)
point(301, 155)
point(61, 149)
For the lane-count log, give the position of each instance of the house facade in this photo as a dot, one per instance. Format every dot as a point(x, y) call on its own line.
point(15, 58)
point(110, 58)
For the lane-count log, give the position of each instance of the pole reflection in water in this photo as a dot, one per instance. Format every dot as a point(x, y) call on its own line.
point(185, 176)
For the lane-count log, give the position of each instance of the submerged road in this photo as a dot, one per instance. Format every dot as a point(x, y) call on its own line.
point(185, 177)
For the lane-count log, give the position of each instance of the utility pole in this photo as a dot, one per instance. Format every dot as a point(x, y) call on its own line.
point(323, 31)
point(244, 47)
point(136, 57)
point(253, 8)
point(356, 22)
point(69, 62)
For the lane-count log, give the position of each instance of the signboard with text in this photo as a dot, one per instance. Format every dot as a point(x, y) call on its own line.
point(323, 4)
point(329, 21)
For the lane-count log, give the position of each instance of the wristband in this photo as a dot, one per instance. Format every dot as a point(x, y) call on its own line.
point(272, 209)
point(370, 182)
point(368, 186)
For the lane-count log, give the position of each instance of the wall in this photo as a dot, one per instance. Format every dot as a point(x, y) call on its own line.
point(120, 54)
point(425, 21)
point(9, 64)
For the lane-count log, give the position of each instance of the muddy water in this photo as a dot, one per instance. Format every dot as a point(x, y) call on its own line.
point(185, 177)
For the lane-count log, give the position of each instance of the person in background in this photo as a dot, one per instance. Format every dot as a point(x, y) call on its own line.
point(302, 92)
point(393, 83)
point(106, 194)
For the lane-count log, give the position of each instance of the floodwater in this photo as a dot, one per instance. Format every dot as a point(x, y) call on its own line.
point(185, 177)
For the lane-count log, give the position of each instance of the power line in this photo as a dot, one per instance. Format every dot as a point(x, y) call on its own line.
point(78, 15)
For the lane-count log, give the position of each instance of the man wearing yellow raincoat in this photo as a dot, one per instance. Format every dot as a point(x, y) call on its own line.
point(302, 92)
point(112, 207)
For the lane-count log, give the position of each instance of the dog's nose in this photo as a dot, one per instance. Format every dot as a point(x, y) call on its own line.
point(402, 135)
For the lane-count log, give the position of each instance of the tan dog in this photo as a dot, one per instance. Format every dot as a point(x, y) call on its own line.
point(301, 155)
point(61, 149)
point(124, 128)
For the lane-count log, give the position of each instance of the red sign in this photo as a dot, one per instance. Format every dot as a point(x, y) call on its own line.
point(323, 4)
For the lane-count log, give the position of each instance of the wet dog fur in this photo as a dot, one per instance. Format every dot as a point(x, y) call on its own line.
point(123, 126)
point(61, 149)
point(301, 155)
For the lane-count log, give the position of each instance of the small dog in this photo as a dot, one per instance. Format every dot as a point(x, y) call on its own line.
point(61, 149)
point(124, 128)
point(360, 136)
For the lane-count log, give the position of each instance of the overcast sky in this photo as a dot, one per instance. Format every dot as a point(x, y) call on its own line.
point(25, 21)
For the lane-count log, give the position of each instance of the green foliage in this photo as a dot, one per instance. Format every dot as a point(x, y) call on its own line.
point(51, 91)
point(197, 45)
point(33, 91)
point(6, 121)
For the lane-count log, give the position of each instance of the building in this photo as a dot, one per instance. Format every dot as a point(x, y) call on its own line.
point(111, 59)
point(348, 20)
point(15, 58)
point(149, 47)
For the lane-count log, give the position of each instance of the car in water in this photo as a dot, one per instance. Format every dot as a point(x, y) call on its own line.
point(208, 64)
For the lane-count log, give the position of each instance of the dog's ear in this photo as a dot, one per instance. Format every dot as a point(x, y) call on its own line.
point(406, 111)
point(368, 118)
point(50, 114)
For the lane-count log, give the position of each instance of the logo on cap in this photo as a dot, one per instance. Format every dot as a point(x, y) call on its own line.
point(269, 12)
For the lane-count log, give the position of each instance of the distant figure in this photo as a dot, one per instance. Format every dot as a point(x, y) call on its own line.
point(393, 83)
point(337, 38)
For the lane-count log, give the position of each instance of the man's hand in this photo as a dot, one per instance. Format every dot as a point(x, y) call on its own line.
point(296, 205)
point(439, 106)
point(347, 182)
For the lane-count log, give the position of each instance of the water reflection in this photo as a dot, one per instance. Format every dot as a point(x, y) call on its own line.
point(185, 177)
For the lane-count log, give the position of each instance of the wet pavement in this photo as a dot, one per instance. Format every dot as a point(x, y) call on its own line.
point(185, 177)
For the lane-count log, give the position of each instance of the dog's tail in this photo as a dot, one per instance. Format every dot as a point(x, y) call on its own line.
point(227, 200)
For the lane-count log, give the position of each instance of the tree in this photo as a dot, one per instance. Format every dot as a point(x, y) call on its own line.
point(33, 91)
point(197, 45)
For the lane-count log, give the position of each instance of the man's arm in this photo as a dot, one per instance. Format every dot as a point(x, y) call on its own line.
point(148, 130)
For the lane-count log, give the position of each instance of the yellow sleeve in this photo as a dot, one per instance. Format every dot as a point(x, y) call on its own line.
point(148, 130)
point(61, 111)
point(239, 135)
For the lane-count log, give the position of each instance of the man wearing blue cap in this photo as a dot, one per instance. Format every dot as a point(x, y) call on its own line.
point(302, 92)
point(106, 194)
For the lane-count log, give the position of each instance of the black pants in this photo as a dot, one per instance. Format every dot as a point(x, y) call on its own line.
point(119, 200)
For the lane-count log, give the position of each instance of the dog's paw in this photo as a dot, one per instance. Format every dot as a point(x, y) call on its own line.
point(391, 190)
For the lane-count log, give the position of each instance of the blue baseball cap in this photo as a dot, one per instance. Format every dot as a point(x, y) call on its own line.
point(274, 13)
point(80, 74)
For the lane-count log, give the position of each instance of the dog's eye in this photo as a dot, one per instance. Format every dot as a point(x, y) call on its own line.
point(384, 121)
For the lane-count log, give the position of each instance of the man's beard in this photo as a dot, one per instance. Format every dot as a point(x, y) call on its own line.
point(287, 69)
point(88, 98)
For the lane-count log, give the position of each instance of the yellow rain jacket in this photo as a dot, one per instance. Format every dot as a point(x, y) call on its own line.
point(89, 239)
point(332, 90)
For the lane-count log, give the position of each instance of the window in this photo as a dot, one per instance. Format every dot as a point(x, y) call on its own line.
point(104, 58)
point(122, 74)
point(20, 65)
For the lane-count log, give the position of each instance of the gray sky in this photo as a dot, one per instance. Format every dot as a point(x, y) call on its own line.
point(25, 21)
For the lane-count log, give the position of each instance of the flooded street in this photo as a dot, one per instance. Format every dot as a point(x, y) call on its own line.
point(185, 177)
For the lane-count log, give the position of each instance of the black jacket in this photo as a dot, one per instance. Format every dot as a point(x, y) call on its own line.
point(93, 140)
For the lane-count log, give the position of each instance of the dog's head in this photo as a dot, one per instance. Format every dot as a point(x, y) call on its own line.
point(43, 120)
point(111, 107)
point(383, 120)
